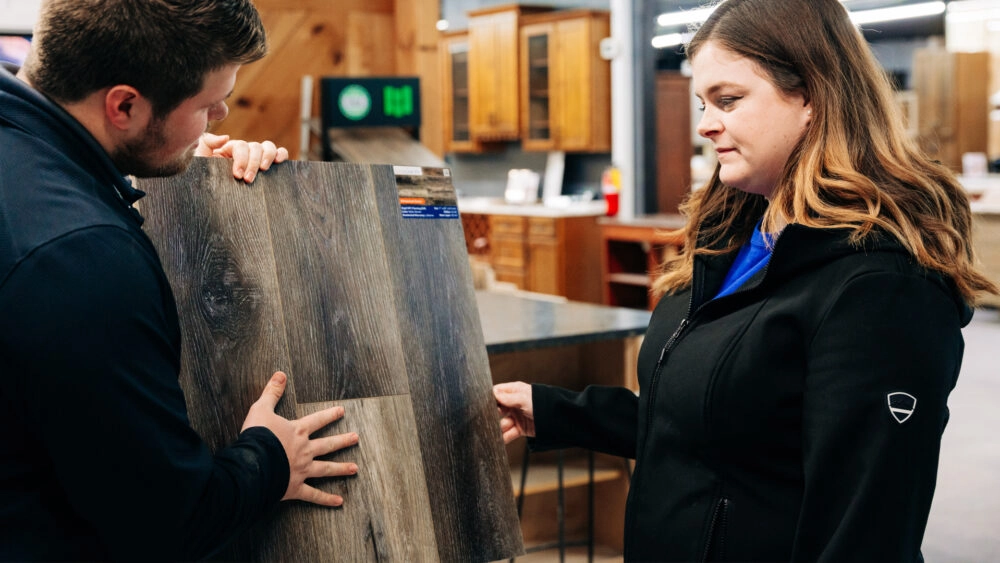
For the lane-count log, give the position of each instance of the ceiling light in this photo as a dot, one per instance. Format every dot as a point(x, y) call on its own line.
point(684, 17)
point(898, 13)
point(668, 40)
point(699, 15)
point(442, 25)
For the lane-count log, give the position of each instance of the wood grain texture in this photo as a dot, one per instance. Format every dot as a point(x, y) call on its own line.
point(386, 504)
point(384, 516)
point(312, 269)
point(370, 44)
point(342, 334)
point(219, 262)
point(444, 345)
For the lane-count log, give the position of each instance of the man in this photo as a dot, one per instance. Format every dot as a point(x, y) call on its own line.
point(99, 461)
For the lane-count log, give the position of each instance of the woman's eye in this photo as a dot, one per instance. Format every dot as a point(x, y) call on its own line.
point(727, 101)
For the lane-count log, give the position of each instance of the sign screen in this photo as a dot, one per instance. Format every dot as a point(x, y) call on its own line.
point(370, 102)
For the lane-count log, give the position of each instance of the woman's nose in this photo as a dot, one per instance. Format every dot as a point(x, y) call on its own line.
point(709, 124)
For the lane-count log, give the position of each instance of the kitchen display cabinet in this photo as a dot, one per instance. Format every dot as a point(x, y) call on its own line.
point(493, 71)
point(565, 84)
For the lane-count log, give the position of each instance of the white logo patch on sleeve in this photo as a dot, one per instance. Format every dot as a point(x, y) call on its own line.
point(901, 405)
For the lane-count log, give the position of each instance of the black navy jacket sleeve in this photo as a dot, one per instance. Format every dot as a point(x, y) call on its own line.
point(98, 392)
point(600, 418)
point(870, 471)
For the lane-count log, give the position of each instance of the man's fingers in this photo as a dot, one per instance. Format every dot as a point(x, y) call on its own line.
point(314, 495)
point(282, 155)
point(269, 154)
point(241, 155)
point(315, 421)
point(254, 155)
point(332, 469)
point(330, 444)
point(212, 142)
point(274, 390)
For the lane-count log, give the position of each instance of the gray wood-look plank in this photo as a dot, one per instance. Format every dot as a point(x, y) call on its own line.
point(314, 270)
point(211, 233)
point(343, 334)
point(444, 344)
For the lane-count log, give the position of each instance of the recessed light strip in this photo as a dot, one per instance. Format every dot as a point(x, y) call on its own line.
point(859, 18)
point(898, 13)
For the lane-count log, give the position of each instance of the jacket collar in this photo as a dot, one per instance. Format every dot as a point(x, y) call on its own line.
point(799, 248)
point(24, 108)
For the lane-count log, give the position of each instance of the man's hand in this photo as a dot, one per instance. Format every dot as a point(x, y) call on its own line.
point(248, 157)
point(300, 449)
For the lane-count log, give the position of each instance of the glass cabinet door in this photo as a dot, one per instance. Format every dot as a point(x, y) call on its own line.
point(537, 123)
point(460, 94)
point(456, 98)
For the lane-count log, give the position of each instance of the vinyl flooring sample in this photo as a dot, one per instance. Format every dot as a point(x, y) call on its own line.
point(353, 279)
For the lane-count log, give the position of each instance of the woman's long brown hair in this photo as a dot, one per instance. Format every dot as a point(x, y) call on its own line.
point(855, 168)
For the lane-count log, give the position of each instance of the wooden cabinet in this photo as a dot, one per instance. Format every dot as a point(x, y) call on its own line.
point(673, 140)
point(454, 52)
point(565, 84)
point(631, 254)
point(493, 72)
point(952, 98)
point(552, 255)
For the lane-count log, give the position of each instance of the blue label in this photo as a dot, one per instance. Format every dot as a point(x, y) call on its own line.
point(430, 211)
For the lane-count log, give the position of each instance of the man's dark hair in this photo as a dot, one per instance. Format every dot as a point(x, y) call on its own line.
point(163, 48)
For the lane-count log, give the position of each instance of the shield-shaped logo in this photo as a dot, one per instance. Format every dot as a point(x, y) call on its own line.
point(901, 406)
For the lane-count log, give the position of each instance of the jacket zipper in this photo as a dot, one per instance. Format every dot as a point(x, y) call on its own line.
point(718, 522)
point(649, 416)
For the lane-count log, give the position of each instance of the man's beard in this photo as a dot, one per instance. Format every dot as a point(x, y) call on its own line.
point(135, 157)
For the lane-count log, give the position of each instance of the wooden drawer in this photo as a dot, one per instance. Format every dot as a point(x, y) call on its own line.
point(508, 252)
point(506, 225)
point(541, 227)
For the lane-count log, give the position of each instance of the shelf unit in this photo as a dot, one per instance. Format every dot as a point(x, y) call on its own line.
point(631, 253)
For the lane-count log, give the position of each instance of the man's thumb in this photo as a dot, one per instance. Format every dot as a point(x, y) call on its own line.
point(274, 390)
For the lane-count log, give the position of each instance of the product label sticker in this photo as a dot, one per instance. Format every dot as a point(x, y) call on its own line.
point(426, 193)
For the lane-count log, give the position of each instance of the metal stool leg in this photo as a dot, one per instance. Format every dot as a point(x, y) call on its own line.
point(590, 507)
point(524, 479)
point(561, 510)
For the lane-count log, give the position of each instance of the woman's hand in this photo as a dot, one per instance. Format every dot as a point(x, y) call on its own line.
point(514, 403)
point(300, 449)
point(248, 157)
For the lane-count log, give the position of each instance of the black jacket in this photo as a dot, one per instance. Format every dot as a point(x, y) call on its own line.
point(770, 424)
point(98, 459)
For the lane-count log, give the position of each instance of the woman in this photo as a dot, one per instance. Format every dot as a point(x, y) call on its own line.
point(794, 377)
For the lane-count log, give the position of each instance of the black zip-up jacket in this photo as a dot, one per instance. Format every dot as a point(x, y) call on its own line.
point(97, 459)
point(798, 419)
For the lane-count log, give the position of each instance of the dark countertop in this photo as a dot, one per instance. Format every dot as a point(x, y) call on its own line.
point(515, 321)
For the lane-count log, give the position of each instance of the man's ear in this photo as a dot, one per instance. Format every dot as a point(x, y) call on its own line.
point(125, 108)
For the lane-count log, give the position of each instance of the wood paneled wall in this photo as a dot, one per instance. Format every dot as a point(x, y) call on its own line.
point(334, 38)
